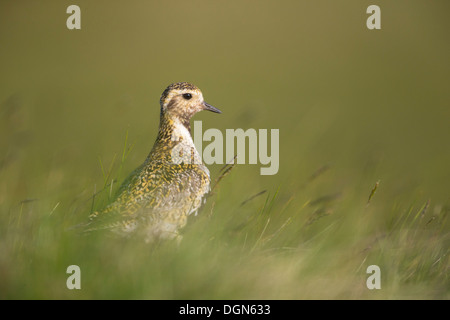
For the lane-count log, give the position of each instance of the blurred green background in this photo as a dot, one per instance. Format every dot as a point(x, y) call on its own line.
point(354, 106)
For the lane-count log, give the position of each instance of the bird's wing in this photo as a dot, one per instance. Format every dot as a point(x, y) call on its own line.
point(152, 190)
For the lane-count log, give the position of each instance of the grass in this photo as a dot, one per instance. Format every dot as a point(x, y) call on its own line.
point(364, 149)
point(274, 244)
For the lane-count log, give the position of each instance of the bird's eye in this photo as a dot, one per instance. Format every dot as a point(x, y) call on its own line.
point(187, 96)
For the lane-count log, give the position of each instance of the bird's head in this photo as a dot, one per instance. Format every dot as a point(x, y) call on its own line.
point(182, 100)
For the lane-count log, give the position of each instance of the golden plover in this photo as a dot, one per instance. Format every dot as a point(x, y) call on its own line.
point(157, 198)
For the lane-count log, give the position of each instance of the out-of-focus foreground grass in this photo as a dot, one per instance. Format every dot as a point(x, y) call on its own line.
point(353, 107)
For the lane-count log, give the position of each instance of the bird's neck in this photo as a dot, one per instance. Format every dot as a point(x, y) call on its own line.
point(173, 128)
point(173, 132)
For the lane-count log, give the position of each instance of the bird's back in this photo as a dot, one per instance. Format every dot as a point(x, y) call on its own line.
point(155, 199)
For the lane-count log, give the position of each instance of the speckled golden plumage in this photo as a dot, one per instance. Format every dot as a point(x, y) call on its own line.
point(156, 199)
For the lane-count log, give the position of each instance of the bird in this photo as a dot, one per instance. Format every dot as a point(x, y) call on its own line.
point(154, 202)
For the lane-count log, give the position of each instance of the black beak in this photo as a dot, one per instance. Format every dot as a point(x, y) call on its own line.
point(207, 106)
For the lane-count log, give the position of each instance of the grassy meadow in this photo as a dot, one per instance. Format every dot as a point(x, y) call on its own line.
point(364, 149)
